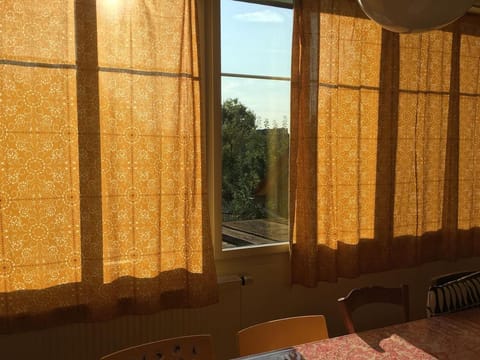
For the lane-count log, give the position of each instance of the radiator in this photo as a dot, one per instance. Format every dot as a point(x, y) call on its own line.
point(90, 341)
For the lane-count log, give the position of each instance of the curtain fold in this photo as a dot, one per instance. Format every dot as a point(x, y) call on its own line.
point(103, 207)
point(379, 176)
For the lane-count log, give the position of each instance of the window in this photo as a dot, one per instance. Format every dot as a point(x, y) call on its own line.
point(255, 51)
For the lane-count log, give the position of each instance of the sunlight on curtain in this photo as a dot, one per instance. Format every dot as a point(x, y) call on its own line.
point(105, 215)
point(469, 186)
point(422, 125)
point(377, 184)
point(39, 187)
point(335, 97)
point(153, 179)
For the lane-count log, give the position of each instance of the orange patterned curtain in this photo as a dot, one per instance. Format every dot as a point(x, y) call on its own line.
point(102, 161)
point(385, 145)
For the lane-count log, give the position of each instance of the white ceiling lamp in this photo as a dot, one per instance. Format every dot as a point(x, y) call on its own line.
point(406, 16)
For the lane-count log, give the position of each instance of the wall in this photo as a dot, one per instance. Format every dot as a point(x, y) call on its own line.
point(269, 296)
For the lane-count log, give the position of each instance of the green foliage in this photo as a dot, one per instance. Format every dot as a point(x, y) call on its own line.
point(248, 155)
point(243, 162)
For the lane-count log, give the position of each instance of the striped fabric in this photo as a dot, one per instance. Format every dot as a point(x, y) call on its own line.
point(453, 292)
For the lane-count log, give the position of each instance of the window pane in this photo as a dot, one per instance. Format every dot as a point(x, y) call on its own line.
point(256, 39)
point(255, 178)
point(255, 145)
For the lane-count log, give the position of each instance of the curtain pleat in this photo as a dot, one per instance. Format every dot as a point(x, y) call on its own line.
point(379, 174)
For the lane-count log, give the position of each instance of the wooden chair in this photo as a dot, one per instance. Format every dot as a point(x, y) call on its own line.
point(453, 292)
point(374, 294)
point(281, 333)
point(194, 347)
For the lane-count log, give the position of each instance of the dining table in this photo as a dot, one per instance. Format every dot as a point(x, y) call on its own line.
point(449, 336)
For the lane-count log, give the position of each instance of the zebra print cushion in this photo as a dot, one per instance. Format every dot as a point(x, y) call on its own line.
point(454, 295)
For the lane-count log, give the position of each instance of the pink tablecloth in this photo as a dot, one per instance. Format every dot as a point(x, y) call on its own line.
point(453, 336)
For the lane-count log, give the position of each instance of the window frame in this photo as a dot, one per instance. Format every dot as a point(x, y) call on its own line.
point(210, 66)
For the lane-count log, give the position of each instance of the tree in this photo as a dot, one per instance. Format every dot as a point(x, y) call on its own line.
point(243, 160)
point(255, 165)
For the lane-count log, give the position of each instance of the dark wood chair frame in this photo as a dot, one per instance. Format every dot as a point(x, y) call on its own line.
point(372, 294)
point(445, 278)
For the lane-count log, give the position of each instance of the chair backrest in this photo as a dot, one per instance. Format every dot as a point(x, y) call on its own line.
point(281, 333)
point(453, 292)
point(194, 347)
point(372, 294)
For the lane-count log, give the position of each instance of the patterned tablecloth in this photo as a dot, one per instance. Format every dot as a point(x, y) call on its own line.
point(453, 336)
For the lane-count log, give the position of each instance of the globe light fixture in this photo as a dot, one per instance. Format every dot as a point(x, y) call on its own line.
point(407, 16)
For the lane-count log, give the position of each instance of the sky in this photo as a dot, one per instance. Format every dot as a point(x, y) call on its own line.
point(256, 40)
